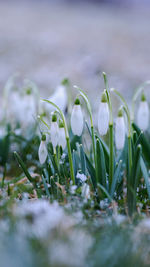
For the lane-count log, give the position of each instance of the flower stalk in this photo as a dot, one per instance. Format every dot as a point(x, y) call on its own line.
point(111, 132)
point(67, 139)
point(85, 97)
point(126, 109)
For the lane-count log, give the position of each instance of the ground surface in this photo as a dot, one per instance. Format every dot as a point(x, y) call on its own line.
point(47, 42)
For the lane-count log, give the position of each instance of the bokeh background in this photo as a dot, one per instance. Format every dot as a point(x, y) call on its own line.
point(46, 41)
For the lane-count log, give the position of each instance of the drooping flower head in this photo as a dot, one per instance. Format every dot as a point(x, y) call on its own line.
point(62, 137)
point(103, 115)
point(120, 130)
point(54, 131)
point(77, 121)
point(143, 114)
point(43, 150)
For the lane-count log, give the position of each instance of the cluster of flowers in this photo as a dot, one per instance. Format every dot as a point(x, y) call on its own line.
point(20, 103)
point(57, 132)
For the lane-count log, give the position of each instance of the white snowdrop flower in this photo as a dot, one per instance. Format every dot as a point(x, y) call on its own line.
point(59, 97)
point(143, 114)
point(77, 122)
point(14, 107)
point(103, 115)
point(86, 191)
point(120, 130)
point(81, 176)
point(62, 136)
point(43, 150)
point(28, 108)
point(54, 131)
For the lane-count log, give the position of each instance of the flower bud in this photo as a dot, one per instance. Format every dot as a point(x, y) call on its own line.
point(103, 115)
point(62, 137)
point(77, 118)
point(42, 150)
point(54, 131)
point(120, 130)
point(143, 114)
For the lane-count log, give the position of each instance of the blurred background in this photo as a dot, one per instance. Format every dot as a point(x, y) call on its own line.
point(47, 40)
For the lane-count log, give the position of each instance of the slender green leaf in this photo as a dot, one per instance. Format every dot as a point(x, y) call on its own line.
point(91, 171)
point(75, 162)
point(106, 152)
point(146, 176)
point(144, 142)
point(133, 181)
point(101, 168)
point(106, 192)
point(83, 161)
point(24, 168)
point(45, 186)
point(116, 178)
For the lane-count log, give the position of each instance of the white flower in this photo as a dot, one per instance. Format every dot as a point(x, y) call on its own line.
point(29, 109)
point(81, 176)
point(103, 116)
point(62, 136)
point(14, 106)
point(54, 131)
point(120, 131)
point(43, 150)
point(59, 97)
point(77, 119)
point(143, 114)
point(86, 191)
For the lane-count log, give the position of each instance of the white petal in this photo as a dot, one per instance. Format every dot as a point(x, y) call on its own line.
point(54, 133)
point(62, 138)
point(77, 120)
point(103, 118)
point(143, 116)
point(120, 131)
point(42, 152)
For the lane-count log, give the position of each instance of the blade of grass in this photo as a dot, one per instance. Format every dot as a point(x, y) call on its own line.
point(144, 142)
point(24, 168)
point(146, 176)
point(133, 181)
point(91, 171)
point(116, 178)
point(45, 186)
point(83, 161)
point(101, 168)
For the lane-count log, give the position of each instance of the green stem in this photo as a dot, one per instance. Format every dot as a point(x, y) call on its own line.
point(111, 132)
point(70, 160)
point(94, 150)
point(127, 111)
point(58, 153)
point(67, 139)
point(55, 157)
point(85, 97)
point(111, 159)
point(130, 154)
